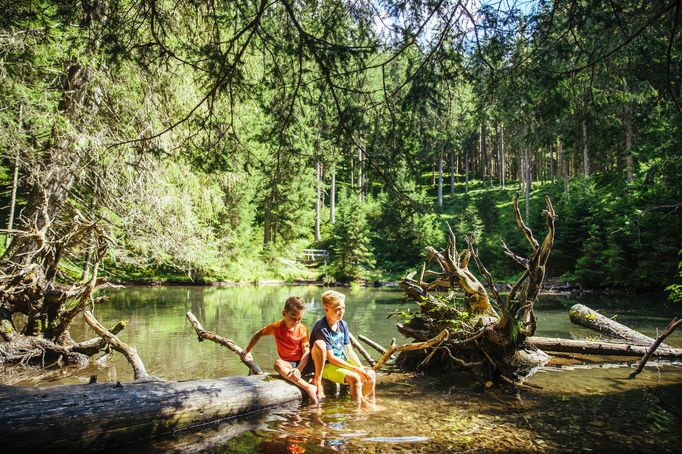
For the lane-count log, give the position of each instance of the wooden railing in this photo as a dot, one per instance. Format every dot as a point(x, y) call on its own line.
point(314, 256)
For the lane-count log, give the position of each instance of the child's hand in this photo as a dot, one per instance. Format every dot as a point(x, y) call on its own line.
point(295, 373)
point(245, 356)
point(367, 375)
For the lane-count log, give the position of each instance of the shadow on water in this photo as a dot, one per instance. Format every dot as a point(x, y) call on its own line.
point(576, 411)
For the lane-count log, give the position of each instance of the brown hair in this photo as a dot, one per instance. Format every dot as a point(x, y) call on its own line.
point(294, 303)
point(333, 297)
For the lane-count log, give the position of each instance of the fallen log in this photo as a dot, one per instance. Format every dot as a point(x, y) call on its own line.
point(106, 415)
point(586, 317)
point(600, 348)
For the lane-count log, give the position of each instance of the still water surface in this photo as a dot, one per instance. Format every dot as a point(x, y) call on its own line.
point(576, 410)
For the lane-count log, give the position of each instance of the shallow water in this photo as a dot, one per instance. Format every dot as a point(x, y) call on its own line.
point(580, 409)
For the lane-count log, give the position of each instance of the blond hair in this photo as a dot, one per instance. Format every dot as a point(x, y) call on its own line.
point(333, 297)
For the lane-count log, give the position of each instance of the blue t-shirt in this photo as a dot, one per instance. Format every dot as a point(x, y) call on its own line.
point(334, 340)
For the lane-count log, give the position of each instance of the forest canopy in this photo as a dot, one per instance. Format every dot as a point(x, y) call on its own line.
point(217, 140)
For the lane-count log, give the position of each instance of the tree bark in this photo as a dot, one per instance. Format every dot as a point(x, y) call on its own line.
point(104, 416)
point(440, 180)
point(600, 348)
point(13, 201)
point(586, 151)
point(501, 156)
point(318, 197)
point(629, 135)
point(332, 196)
point(482, 151)
point(224, 341)
point(466, 171)
point(586, 317)
point(452, 174)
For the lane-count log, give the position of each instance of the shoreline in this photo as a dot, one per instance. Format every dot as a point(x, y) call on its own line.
point(553, 289)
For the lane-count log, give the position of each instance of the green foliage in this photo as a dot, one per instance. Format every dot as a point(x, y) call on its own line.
point(352, 255)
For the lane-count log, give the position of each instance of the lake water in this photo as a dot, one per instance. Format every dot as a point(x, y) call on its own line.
point(579, 409)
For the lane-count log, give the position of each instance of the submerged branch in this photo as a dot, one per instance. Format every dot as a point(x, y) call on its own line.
point(659, 340)
point(129, 352)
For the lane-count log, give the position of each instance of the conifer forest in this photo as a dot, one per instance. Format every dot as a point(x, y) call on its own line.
point(208, 141)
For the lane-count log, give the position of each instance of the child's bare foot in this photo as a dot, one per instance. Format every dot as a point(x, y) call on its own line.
point(320, 391)
point(312, 393)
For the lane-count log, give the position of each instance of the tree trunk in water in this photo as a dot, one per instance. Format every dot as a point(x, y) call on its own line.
point(440, 180)
point(103, 416)
point(600, 348)
point(586, 317)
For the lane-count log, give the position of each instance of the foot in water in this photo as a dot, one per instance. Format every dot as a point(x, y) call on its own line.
point(320, 391)
point(312, 393)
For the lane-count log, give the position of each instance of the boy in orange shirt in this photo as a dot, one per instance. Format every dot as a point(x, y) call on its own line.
point(293, 345)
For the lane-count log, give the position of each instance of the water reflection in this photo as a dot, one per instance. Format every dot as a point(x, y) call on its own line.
point(596, 409)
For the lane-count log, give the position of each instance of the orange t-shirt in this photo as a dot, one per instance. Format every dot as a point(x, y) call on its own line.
point(289, 343)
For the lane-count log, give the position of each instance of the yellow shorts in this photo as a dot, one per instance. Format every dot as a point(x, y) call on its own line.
point(335, 373)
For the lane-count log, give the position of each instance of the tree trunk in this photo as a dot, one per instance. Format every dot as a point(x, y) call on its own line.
point(318, 201)
point(629, 135)
point(600, 348)
point(361, 175)
point(501, 156)
point(466, 171)
point(13, 201)
point(563, 166)
point(481, 149)
point(452, 174)
point(440, 180)
point(103, 416)
point(332, 196)
point(586, 317)
point(527, 179)
point(586, 157)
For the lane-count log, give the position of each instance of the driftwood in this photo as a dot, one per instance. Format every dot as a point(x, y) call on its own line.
point(672, 326)
point(442, 336)
point(139, 371)
point(586, 317)
point(361, 350)
point(106, 415)
point(600, 348)
point(486, 333)
point(224, 341)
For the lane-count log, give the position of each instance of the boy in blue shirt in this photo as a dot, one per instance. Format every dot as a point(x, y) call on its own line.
point(333, 354)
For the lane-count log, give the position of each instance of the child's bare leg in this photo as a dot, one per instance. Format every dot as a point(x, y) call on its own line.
point(319, 355)
point(369, 386)
point(284, 368)
point(355, 384)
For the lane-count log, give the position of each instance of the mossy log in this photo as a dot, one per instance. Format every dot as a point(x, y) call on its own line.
point(106, 415)
point(586, 317)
